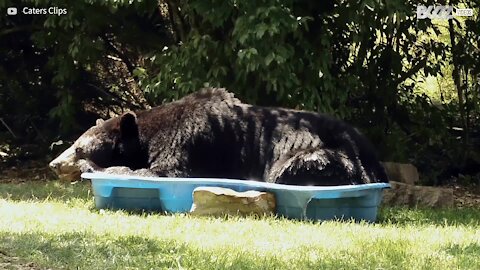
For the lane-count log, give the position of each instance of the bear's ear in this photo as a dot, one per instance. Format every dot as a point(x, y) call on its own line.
point(99, 121)
point(128, 125)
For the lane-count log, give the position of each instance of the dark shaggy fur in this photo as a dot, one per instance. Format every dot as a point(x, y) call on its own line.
point(212, 134)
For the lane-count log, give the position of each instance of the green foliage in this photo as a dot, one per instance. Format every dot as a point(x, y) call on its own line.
point(361, 61)
point(57, 65)
point(233, 48)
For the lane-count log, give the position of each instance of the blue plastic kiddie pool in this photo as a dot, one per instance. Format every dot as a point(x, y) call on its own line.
point(174, 195)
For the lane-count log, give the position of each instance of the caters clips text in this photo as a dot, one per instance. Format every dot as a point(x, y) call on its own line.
point(44, 11)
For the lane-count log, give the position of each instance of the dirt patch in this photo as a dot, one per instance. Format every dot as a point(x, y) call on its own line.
point(466, 196)
point(28, 171)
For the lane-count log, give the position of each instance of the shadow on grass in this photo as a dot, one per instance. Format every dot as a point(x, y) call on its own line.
point(465, 250)
point(41, 191)
point(81, 250)
point(468, 255)
point(89, 251)
point(421, 216)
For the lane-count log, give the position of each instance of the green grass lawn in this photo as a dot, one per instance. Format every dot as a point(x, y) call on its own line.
point(55, 225)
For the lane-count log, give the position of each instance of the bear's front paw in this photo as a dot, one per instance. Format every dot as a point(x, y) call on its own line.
point(145, 172)
point(118, 170)
point(87, 166)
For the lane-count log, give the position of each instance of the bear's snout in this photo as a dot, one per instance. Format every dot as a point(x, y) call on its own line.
point(65, 165)
point(54, 165)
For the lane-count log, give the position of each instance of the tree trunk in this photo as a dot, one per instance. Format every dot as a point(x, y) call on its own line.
point(456, 79)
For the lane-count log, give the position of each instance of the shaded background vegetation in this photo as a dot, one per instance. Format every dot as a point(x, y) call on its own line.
point(412, 86)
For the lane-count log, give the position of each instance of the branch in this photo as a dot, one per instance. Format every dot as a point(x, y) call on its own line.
point(179, 22)
point(122, 56)
point(18, 29)
point(118, 100)
point(410, 72)
point(173, 30)
point(10, 130)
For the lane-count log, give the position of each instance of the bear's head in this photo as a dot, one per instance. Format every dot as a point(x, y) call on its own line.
point(114, 142)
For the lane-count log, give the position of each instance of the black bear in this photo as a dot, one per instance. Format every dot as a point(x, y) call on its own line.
point(211, 133)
